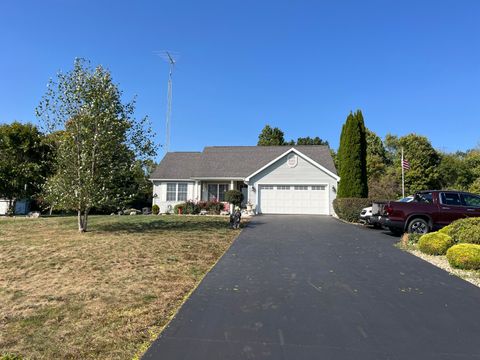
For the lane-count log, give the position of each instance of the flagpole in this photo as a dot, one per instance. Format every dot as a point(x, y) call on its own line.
point(403, 177)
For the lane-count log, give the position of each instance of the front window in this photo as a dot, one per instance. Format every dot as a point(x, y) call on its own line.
point(177, 191)
point(182, 192)
point(216, 192)
point(171, 191)
point(222, 189)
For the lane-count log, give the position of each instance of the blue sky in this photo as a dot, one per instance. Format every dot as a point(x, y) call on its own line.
point(410, 66)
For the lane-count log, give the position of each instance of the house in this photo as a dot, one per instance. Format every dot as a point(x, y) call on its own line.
point(274, 179)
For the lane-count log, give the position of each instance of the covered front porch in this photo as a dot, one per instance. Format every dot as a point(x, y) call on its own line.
point(212, 189)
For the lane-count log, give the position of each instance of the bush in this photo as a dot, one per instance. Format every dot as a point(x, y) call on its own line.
point(234, 197)
point(435, 243)
point(203, 205)
point(155, 209)
point(446, 230)
point(349, 209)
point(465, 230)
point(9, 356)
point(215, 207)
point(187, 208)
point(413, 238)
point(464, 256)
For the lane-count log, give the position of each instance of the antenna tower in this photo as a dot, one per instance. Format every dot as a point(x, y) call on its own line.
point(170, 58)
point(168, 118)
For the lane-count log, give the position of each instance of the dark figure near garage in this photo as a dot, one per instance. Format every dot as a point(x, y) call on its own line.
point(235, 218)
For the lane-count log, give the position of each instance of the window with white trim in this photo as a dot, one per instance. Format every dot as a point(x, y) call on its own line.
point(301, 187)
point(217, 192)
point(283, 187)
point(182, 192)
point(171, 191)
point(266, 187)
point(318, 187)
point(177, 191)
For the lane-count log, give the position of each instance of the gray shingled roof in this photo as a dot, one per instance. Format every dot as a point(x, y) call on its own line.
point(232, 161)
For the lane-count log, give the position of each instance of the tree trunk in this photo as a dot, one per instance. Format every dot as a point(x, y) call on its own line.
point(82, 220)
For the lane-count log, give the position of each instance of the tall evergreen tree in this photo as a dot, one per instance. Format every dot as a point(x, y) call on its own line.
point(353, 158)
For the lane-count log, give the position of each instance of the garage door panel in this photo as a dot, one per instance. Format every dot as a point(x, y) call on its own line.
point(278, 200)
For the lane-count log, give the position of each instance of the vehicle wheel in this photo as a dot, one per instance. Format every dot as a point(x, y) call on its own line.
point(418, 226)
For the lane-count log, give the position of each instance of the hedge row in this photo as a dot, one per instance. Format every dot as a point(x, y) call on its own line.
point(193, 208)
point(349, 209)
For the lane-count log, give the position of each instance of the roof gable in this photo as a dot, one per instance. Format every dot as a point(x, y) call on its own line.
point(293, 150)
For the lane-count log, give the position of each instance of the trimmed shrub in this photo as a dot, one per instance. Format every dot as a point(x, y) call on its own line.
point(435, 243)
point(155, 209)
point(446, 230)
point(465, 230)
point(234, 197)
point(349, 209)
point(464, 256)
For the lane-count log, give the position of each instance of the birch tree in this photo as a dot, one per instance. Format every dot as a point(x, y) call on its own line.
point(100, 139)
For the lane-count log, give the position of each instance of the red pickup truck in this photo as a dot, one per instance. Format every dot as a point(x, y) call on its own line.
point(430, 210)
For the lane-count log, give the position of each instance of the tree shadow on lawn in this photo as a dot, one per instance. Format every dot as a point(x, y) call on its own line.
point(157, 225)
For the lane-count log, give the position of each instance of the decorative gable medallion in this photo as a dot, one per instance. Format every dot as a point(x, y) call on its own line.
point(292, 160)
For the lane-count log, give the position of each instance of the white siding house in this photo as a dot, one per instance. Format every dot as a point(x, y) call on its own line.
point(274, 179)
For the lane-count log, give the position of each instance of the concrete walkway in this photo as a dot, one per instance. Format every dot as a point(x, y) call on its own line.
point(311, 287)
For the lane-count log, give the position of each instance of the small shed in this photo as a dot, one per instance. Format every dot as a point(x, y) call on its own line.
point(22, 207)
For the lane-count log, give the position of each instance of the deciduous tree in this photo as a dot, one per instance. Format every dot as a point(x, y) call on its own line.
point(100, 142)
point(25, 160)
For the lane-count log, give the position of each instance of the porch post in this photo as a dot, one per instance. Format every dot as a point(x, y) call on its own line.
point(231, 188)
point(195, 191)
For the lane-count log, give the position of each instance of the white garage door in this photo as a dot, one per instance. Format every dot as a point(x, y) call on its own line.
point(293, 199)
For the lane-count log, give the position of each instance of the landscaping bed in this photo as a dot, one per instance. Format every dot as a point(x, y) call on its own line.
point(455, 248)
point(103, 294)
point(472, 276)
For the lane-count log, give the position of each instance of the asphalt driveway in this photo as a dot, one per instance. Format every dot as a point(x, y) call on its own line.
point(311, 287)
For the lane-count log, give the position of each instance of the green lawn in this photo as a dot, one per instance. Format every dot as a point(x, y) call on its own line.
point(103, 294)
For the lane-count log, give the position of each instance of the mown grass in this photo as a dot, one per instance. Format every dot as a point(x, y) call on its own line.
point(103, 294)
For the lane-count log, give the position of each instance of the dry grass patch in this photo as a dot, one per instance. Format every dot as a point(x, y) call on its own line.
point(102, 294)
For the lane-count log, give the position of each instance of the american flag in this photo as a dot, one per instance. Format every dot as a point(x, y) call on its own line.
point(405, 164)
